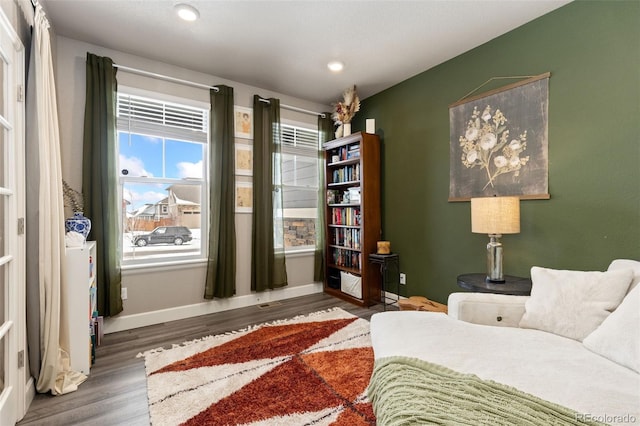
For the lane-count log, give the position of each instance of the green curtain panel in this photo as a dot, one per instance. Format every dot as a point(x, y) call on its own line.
point(326, 130)
point(99, 179)
point(268, 268)
point(221, 265)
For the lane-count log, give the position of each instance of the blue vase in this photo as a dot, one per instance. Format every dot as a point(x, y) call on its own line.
point(78, 223)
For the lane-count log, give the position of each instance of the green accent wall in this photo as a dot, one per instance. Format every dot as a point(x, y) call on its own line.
point(592, 49)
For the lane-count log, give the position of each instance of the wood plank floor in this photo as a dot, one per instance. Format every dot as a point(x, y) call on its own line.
point(116, 391)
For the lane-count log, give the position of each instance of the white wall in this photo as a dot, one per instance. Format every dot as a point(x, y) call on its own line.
point(165, 293)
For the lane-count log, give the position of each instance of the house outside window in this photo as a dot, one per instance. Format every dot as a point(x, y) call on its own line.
point(162, 163)
point(299, 187)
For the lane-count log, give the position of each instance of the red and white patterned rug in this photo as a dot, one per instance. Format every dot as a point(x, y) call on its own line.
point(309, 370)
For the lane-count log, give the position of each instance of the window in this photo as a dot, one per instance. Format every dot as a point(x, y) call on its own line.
point(300, 187)
point(162, 159)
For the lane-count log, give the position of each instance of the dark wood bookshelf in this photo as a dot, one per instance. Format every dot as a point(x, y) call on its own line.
point(352, 227)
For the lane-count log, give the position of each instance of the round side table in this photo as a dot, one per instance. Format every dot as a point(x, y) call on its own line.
point(517, 286)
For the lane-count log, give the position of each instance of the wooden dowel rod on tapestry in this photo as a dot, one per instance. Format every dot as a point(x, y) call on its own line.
point(529, 79)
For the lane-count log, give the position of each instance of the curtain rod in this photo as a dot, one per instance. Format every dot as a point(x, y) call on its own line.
point(292, 108)
point(164, 77)
point(204, 86)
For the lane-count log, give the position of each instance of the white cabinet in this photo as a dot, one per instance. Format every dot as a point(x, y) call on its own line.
point(79, 305)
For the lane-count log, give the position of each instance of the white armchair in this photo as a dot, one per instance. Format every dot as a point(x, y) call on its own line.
point(487, 308)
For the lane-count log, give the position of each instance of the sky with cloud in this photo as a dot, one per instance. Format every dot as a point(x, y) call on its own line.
point(153, 157)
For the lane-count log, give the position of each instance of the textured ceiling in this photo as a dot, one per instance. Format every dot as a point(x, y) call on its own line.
point(284, 46)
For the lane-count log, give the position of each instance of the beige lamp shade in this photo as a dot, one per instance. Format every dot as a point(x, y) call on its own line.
point(495, 215)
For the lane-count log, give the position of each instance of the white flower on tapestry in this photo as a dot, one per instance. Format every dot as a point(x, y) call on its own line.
point(486, 144)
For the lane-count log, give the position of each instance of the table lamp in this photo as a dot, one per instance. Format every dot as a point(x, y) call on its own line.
point(495, 216)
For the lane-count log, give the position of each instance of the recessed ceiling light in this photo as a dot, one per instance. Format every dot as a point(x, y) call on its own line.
point(335, 66)
point(187, 12)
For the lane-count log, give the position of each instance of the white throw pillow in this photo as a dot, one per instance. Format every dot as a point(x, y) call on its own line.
point(573, 303)
point(634, 265)
point(618, 337)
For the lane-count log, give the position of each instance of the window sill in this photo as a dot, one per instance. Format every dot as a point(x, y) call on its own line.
point(186, 264)
point(164, 266)
point(299, 253)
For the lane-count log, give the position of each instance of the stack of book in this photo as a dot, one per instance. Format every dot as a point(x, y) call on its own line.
point(354, 151)
point(347, 237)
point(345, 153)
point(349, 216)
point(346, 258)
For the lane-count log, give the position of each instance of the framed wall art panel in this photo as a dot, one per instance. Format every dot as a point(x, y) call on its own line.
point(244, 160)
point(243, 122)
point(244, 197)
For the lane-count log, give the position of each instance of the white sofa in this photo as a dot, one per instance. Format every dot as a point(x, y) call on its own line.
point(561, 345)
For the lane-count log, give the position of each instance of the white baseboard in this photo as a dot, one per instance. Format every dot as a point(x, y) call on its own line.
point(127, 322)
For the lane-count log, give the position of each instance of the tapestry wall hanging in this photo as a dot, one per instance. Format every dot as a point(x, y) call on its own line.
point(499, 142)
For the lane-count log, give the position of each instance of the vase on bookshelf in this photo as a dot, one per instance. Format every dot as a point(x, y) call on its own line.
point(346, 129)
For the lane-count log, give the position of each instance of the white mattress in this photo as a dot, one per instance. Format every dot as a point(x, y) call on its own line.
point(551, 367)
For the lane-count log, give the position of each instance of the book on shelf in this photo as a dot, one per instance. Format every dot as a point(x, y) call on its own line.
point(349, 216)
point(353, 152)
point(345, 153)
point(346, 174)
point(346, 258)
point(98, 324)
point(347, 237)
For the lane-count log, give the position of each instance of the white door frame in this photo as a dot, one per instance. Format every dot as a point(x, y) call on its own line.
point(12, 189)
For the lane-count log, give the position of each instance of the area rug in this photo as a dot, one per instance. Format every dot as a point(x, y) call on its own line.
point(308, 370)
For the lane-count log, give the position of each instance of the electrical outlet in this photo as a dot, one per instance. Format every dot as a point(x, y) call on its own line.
point(123, 293)
point(403, 278)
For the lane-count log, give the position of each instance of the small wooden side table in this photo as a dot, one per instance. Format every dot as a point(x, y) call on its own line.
point(517, 286)
point(390, 270)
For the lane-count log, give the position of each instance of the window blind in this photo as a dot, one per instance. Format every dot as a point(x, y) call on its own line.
point(137, 114)
point(297, 137)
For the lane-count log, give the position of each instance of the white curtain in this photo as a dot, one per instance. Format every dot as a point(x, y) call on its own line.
point(44, 146)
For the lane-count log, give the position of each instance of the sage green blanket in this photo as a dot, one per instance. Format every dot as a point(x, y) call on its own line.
point(409, 391)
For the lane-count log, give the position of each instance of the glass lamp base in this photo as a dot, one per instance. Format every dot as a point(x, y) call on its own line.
point(494, 259)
